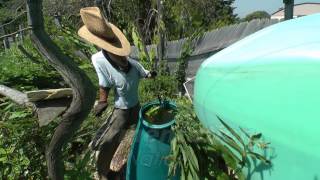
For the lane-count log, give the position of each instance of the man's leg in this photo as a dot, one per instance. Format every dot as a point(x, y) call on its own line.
point(111, 141)
point(134, 115)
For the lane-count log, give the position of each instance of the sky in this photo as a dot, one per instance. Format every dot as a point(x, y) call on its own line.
point(244, 7)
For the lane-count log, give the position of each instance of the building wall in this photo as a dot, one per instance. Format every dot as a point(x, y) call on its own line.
point(299, 10)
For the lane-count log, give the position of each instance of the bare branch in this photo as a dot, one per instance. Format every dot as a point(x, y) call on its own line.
point(19, 15)
point(14, 33)
point(146, 27)
point(109, 7)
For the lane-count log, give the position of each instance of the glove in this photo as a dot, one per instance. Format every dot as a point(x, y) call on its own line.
point(99, 108)
point(153, 74)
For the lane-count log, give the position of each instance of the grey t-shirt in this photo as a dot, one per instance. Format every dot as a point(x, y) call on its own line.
point(125, 84)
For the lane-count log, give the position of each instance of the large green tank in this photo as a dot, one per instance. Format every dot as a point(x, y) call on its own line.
point(151, 146)
point(269, 82)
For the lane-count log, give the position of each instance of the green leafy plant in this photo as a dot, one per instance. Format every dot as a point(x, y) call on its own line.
point(22, 143)
point(79, 170)
point(182, 64)
point(19, 70)
point(163, 85)
point(146, 59)
point(201, 154)
point(19, 130)
point(160, 113)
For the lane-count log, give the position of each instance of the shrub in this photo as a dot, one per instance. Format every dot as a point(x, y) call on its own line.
point(163, 85)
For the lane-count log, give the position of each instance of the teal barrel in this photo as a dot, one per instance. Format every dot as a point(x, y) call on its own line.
point(151, 145)
point(269, 82)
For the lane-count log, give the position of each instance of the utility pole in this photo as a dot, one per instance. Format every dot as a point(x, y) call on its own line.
point(288, 9)
point(161, 31)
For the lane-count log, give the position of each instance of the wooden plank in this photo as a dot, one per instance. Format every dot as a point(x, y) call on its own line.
point(15, 95)
point(34, 96)
point(121, 156)
point(49, 110)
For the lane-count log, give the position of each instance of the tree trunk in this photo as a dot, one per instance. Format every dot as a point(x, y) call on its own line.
point(83, 90)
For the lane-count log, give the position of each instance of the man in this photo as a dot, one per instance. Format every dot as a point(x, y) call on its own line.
point(114, 70)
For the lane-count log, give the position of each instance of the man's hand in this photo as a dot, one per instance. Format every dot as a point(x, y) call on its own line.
point(99, 108)
point(152, 74)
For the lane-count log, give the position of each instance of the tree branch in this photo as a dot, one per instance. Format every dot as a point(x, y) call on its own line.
point(83, 90)
point(11, 34)
point(19, 15)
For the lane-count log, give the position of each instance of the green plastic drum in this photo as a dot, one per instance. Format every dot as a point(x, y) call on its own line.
point(150, 147)
point(269, 82)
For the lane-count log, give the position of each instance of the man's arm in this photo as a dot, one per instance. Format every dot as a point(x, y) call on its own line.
point(142, 71)
point(103, 94)
point(103, 101)
point(151, 74)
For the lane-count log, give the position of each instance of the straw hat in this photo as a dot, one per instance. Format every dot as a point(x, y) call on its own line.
point(102, 33)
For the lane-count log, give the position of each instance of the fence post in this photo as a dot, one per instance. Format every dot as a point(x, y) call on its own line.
point(57, 20)
point(6, 43)
point(21, 33)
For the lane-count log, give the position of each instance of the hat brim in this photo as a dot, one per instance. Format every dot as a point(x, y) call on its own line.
point(123, 50)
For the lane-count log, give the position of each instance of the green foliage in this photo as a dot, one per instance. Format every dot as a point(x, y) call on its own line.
point(9, 9)
point(163, 85)
point(4, 14)
point(147, 60)
point(257, 15)
point(186, 52)
point(28, 70)
point(20, 71)
point(71, 44)
point(128, 13)
point(81, 169)
point(22, 143)
point(19, 128)
point(180, 17)
point(183, 17)
point(68, 9)
point(201, 154)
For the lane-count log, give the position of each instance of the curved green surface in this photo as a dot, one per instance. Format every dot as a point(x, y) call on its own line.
point(150, 146)
point(269, 83)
